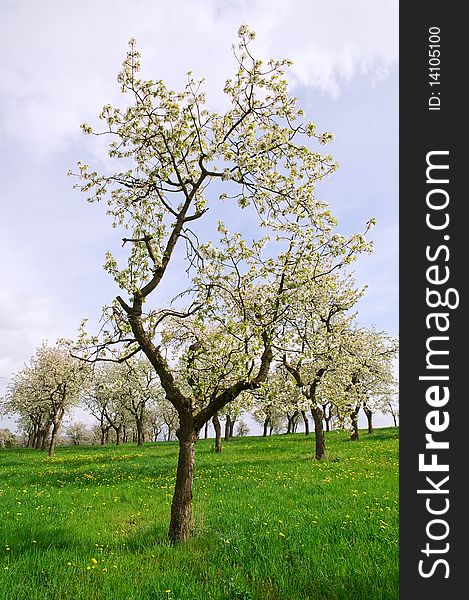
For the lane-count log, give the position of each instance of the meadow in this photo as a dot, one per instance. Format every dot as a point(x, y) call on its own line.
point(270, 522)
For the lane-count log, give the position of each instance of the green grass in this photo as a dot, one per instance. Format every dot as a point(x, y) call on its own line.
point(270, 522)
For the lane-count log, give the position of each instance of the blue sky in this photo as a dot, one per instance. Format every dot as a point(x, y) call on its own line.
point(59, 66)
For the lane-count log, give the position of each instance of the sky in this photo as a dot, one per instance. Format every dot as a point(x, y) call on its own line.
point(58, 68)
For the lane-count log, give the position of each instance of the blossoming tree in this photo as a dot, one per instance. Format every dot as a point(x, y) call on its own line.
point(179, 160)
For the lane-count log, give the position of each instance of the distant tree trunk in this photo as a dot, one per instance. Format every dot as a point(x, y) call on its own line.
point(53, 441)
point(266, 426)
point(104, 435)
point(206, 430)
point(181, 507)
point(35, 436)
point(296, 418)
point(140, 432)
point(217, 427)
point(232, 424)
point(293, 422)
point(369, 418)
point(44, 437)
point(394, 419)
point(227, 427)
point(55, 432)
point(354, 418)
point(318, 415)
point(118, 431)
point(306, 422)
point(271, 428)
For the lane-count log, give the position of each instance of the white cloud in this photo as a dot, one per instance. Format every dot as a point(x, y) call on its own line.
point(59, 59)
point(25, 318)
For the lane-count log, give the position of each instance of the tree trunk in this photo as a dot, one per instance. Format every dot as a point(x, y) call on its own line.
point(394, 419)
point(181, 507)
point(271, 428)
point(354, 418)
point(118, 435)
point(44, 436)
point(206, 430)
point(227, 428)
point(217, 427)
point(306, 422)
point(140, 434)
point(369, 418)
point(295, 422)
point(232, 424)
point(266, 426)
point(318, 415)
point(53, 439)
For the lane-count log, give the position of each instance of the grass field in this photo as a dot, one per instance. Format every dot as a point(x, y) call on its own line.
point(270, 522)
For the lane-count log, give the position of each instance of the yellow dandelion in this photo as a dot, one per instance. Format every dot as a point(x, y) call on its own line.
point(94, 561)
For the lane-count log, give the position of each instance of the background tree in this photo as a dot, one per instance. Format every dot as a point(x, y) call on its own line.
point(173, 151)
point(267, 411)
point(140, 388)
point(371, 373)
point(313, 355)
point(105, 399)
point(390, 406)
point(79, 433)
point(7, 438)
point(44, 391)
point(242, 428)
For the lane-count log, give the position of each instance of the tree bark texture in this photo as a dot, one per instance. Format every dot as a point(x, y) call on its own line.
point(369, 418)
point(306, 422)
point(318, 415)
point(217, 427)
point(354, 418)
point(227, 427)
point(53, 439)
point(181, 507)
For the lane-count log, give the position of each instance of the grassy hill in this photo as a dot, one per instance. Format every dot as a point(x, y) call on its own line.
point(270, 522)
